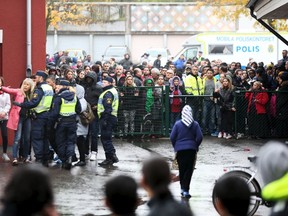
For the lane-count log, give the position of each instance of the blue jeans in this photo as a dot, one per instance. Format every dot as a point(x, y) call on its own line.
point(23, 130)
point(208, 119)
point(107, 127)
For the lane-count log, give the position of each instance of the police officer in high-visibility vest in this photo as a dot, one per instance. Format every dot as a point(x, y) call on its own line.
point(39, 106)
point(64, 111)
point(107, 111)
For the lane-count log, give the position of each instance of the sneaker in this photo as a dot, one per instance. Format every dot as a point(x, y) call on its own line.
point(93, 156)
point(224, 135)
point(15, 162)
point(5, 157)
point(220, 134)
point(228, 136)
point(215, 134)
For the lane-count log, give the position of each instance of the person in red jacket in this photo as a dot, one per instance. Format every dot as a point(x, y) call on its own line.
point(258, 125)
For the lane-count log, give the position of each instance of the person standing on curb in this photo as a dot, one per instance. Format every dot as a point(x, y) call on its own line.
point(186, 137)
point(108, 104)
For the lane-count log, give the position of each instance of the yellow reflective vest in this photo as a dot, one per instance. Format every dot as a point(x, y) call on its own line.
point(194, 85)
point(68, 107)
point(115, 103)
point(46, 100)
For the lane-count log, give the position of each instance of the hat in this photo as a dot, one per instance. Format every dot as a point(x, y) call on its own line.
point(284, 76)
point(64, 83)
point(200, 51)
point(42, 74)
point(109, 79)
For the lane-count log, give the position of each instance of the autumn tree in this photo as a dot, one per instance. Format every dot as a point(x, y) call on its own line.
point(232, 10)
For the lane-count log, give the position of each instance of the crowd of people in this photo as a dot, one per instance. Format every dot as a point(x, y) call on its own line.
point(134, 93)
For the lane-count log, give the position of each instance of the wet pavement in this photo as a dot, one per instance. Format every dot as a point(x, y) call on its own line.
point(80, 190)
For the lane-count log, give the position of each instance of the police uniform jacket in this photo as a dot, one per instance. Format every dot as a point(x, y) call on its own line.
point(38, 95)
point(64, 95)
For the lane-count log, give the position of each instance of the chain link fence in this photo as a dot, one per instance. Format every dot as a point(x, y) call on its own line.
point(146, 111)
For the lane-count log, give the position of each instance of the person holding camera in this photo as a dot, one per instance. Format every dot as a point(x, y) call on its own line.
point(108, 104)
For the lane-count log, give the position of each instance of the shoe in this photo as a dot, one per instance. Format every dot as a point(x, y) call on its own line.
point(80, 163)
point(74, 158)
point(29, 158)
point(114, 158)
point(87, 156)
point(68, 164)
point(224, 135)
point(228, 136)
point(15, 162)
point(26, 161)
point(215, 134)
point(186, 195)
point(220, 134)
point(93, 156)
point(5, 157)
point(106, 162)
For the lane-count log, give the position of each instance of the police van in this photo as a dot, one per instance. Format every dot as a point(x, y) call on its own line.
point(232, 46)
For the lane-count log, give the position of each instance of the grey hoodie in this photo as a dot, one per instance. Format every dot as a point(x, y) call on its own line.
point(272, 161)
point(80, 92)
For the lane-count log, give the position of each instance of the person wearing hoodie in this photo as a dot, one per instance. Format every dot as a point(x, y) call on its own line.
point(92, 93)
point(186, 137)
point(82, 130)
point(65, 108)
point(272, 164)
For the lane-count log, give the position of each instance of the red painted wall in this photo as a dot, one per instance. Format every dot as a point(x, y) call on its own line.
point(13, 24)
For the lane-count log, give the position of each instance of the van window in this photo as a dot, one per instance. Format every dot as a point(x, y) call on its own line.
point(221, 49)
point(190, 53)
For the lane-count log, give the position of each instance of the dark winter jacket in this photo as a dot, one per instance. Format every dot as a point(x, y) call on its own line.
point(92, 90)
point(282, 101)
point(183, 137)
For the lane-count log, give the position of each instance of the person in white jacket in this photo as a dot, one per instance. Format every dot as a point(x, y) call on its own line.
point(5, 105)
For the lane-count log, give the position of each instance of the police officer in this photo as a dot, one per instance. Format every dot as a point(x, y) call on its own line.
point(65, 108)
point(40, 105)
point(107, 112)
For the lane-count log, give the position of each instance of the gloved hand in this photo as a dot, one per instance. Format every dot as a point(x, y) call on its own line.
point(104, 123)
point(16, 103)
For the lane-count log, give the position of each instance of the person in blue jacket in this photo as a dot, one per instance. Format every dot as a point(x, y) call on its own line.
point(186, 137)
point(39, 107)
point(64, 111)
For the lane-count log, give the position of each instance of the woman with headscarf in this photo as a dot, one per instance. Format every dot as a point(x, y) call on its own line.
point(186, 137)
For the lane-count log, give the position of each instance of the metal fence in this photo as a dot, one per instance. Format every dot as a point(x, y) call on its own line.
point(145, 111)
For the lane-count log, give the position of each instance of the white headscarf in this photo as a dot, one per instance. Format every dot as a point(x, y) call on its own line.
point(187, 117)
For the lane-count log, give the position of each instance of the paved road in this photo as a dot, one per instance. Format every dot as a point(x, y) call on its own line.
point(80, 191)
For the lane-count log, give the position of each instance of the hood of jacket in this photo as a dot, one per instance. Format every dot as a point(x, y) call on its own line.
point(66, 94)
point(272, 161)
point(92, 75)
point(80, 91)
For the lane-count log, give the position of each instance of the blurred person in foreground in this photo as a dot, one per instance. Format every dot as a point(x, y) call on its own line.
point(28, 192)
point(155, 180)
point(232, 196)
point(272, 163)
point(121, 195)
point(186, 137)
